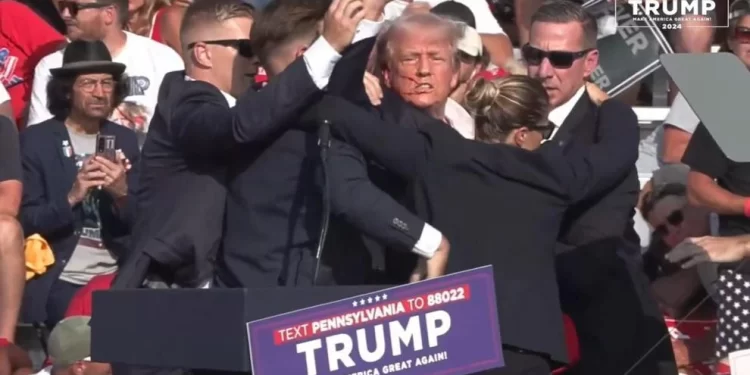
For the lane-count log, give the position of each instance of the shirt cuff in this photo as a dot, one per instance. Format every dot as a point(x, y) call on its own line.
point(367, 29)
point(429, 242)
point(320, 59)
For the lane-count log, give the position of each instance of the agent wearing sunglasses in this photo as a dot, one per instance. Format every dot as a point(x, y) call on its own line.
point(562, 54)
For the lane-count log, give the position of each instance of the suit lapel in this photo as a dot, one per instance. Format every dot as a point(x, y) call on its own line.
point(580, 112)
point(67, 161)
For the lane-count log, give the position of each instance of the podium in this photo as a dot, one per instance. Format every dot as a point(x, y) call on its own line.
point(198, 329)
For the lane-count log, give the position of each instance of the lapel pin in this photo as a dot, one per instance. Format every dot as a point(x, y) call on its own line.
point(66, 149)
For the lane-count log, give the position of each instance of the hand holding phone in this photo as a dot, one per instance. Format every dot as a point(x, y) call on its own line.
point(105, 147)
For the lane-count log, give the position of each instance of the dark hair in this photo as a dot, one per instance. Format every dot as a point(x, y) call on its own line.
point(60, 94)
point(283, 21)
point(565, 11)
point(201, 12)
point(653, 197)
point(123, 16)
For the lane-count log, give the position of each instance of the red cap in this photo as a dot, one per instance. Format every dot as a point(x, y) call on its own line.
point(492, 74)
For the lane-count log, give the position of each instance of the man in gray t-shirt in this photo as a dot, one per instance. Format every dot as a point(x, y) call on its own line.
point(667, 143)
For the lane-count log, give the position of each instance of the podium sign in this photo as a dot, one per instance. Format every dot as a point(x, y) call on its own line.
point(447, 325)
point(629, 48)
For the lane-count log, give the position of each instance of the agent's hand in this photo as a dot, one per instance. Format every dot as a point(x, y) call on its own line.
point(595, 93)
point(697, 250)
point(373, 89)
point(417, 7)
point(433, 267)
point(340, 22)
point(115, 177)
point(88, 177)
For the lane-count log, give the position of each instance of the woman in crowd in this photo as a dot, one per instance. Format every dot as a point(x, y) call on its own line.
point(682, 293)
point(146, 17)
point(722, 185)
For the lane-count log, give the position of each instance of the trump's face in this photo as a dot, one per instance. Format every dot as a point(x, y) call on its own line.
point(422, 68)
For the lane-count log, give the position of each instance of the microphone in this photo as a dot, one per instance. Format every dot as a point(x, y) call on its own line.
point(324, 142)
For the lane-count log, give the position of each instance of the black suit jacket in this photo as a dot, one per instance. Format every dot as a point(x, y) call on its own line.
point(48, 177)
point(393, 266)
point(497, 205)
point(609, 213)
point(273, 198)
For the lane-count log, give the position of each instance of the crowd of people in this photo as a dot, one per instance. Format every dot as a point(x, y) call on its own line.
point(287, 143)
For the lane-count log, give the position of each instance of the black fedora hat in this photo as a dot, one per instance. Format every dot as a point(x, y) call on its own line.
point(86, 57)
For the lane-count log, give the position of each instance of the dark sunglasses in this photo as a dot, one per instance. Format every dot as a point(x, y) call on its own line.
point(741, 34)
point(241, 45)
point(558, 59)
point(73, 7)
point(674, 219)
point(545, 130)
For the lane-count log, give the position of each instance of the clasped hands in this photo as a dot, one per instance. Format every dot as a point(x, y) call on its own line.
point(99, 172)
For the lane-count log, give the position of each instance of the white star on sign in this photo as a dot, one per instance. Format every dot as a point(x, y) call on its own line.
point(723, 348)
point(736, 319)
point(729, 298)
point(745, 312)
point(744, 338)
point(747, 284)
point(354, 304)
point(721, 292)
point(746, 298)
point(362, 302)
point(745, 325)
point(369, 300)
point(738, 277)
point(377, 298)
point(722, 278)
point(737, 291)
point(736, 305)
point(730, 284)
point(385, 296)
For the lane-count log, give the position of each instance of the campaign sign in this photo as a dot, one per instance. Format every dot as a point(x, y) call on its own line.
point(629, 47)
point(446, 325)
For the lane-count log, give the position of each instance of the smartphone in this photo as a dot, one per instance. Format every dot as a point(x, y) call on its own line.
point(105, 147)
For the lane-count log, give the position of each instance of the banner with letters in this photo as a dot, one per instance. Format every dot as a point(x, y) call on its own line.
point(447, 326)
point(629, 48)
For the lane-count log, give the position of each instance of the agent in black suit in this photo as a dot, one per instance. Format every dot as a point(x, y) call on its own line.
point(183, 193)
point(602, 284)
point(83, 205)
point(499, 205)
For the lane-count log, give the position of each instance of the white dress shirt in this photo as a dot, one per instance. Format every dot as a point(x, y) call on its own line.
point(459, 119)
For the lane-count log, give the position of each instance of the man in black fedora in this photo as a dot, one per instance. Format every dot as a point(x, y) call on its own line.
point(80, 201)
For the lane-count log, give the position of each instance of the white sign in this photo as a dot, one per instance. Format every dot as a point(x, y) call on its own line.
point(672, 14)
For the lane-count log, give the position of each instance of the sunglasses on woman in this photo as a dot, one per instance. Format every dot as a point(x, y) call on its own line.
point(674, 219)
point(558, 59)
point(74, 7)
point(242, 46)
point(741, 34)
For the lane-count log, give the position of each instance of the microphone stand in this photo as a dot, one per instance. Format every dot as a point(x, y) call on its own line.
point(324, 142)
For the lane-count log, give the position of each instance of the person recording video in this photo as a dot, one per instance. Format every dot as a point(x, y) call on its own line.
point(80, 173)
